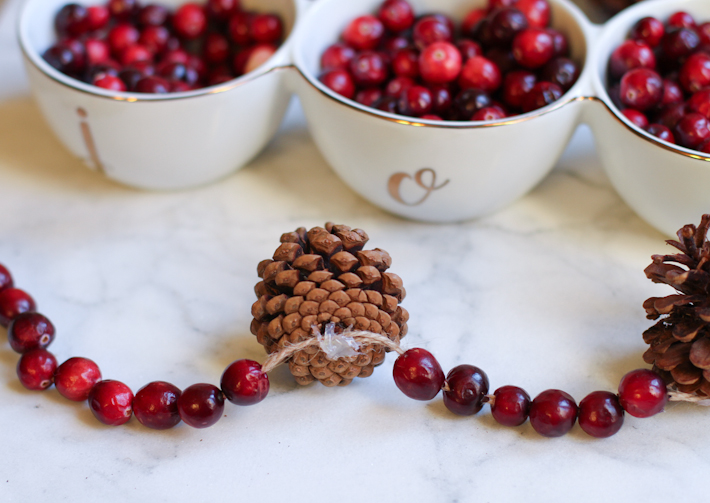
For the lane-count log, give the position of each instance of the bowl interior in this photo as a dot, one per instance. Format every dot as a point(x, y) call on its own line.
point(328, 18)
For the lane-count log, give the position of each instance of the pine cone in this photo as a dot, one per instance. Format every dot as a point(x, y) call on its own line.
point(680, 341)
point(323, 276)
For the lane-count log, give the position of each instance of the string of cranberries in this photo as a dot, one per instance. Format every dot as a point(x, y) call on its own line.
point(126, 46)
point(160, 405)
point(501, 61)
point(660, 79)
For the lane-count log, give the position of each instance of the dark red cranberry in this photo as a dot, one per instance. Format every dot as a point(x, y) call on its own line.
point(339, 81)
point(36, 369)
point(337, 57)
point(704, 147)
point(600, 414)
point(396, 15)
point(266, 28)
point(641, 89)
point(468, 102)
point(536, 11)
point(97, 17)
point(699, 102)
point(553, 413)
point(368, 68)
point(29, 331)
point(671, 114)
point(678, 43)
point(648, 30)
point(154, 38)
point(516, 85)
point(468, 49)
point(470, 22)
point(178, 72)
point(560, 47)
point(189, 21)
point(533, 48)
point(480, 73)
point(59, 57)
point(642, 393)
point(681, 19)
point(14, 302)
point(405, 63)
point(369, 97)
point(392, 45)
point(221, 10)
point(629, 55)
point(510, 406)
point(72, 20)
point(201, 405)
point(695, 73)
point(76, 377)
point(244, 383)
point(153, 15)
point(440, 63)
point(661, 132)
point(5, 278)
point(561, 71)
point(109, 67)
point(465, 388)
point(155, 405)
point(505, 24)
point(152, 84)
point(219, 75)
point(396, 86)
point(388, 104)
point(637, 118)
point(503, 59)
point(482, 33)
point(418, 375)
point(238, 28)
point(430, 29)
point(415, 101)
point(692, 130)
point(130, 77)
point(441, 99)
point(110, 83)
point(364, 33)
point(123, 10)
point(111, 402)
point(542, 94)
point(672, 93)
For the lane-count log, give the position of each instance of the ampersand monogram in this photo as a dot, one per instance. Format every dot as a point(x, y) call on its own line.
point(425, 179)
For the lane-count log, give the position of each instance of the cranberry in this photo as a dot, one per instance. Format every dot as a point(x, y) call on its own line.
point(72, 20)
point(415, 101)
point(648, 30)
point(111, 402)
point(441, 98)
point(405, 63)
point(542, 94)
point(364, 33)
point(691, 131)
point(430, 29)
point(560, 47)
point(175, 56)
point(155, 405)
point(97, 51)
point(265, 28)
point(244, 383)
point(505, 24)
point(600, 414)
point(392, 45)
point(339, 81)
point(153, 15)
point(661, 132)
point(553, 413)
point(201, 405)
point(672, 93)
point(30, 331)
point(76, 377)
point(189, 21)
point(681, 19)
point(679, 42)
point(468, 49)
point(470, 22)
point(368, 68)
point(439, 63)
point(36, 369)
point(467, 385)
point(178, 72)
point(468, 102)
point(109, 67)
point(503, 59)
point(629, 55)
point(388, 104)
point(153, 85)
point(494, 5)
point(257, 56)
point(695, 72)
point(396, 15)
point(221, 10)
point(704, 34)
point(5, 278)
point(642, 393)
point(561, 71)
point(480, 73)
point(154, 38)
point(704, 147)
point(396, 86)
point(516, 85)
point(418, 375)
point(219, 75)
point(510, 406)
point(369, 97)
point(337, 57)
point(238, 28)
point(135, 54)
point(641, 89)
point(121, 37)
point(130, 77)
point(111, 83)
point(97, 17)
point(671, 114)
point(123, 10)
point(699, 102)
point(431, 117)
point(536, 11)
point(637, 118)
point(14, 302)
point(533, 47)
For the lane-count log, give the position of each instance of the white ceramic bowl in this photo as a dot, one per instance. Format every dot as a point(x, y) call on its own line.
point(159, 142)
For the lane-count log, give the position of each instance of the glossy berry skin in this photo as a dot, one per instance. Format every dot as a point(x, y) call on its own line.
point(36, 369)
point(369, 97)
point(678, 43)
point(60, 58)
point(480, 73)
point(76, 377)
point(440, 63)
point(201, 405)
point(415, 101)
point(97, 51)
point(695, 73)
point(97, 17)
point(510, 406)
point(468, 102)
point(537, 12)
point(336, 57)
point(153, 15)
point(152, 84)
point(121, 37)
point(700, 103)
point(681, 19)
point(14, 302)
point(642, 393)
point(5, 278)
point(648, 30)
point(339, 81)
point(265, 29)
point(123, 10)
point(629, 55)
point(364, 33)
point(533, 48)
point(430, 29)
point(190, 21)
point(71, 20)
point(396, 15)
point(541, 95)
point(600, 414)
point(516, 85)
point(397, 86)
point(222, 9)
point(30, 331)
point(243, 383)
point(418, 375)
point(691, 130)
point(111, 402)
point(662, 132)
point(505, 24)
point(467, 385)
point(553, 413)
point(368, 68)
point(489, 114)
point(561, 71)
point(641, 89)
point(637, 118)
point(155, 405)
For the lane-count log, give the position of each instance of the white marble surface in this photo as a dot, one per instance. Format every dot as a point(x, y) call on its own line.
point(545, 294)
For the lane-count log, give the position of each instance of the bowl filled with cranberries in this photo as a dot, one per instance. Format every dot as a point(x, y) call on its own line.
point(442, 110)
point(160, 95)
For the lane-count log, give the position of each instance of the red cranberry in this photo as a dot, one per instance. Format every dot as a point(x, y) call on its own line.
point(368, 68)
point(396, 15)
point(516, 85)
point(201, 405)
point(637, 118)
point(175, 56)
point(641, 89)
point(415, 101)
point(468, 102)
point(430, 29)
point(536, 11)
point(494, 5)
point(154, 38)
point(505, 24)
point(111, 83)
point(190, 21)
point(221, 10)
point(704, 147)
point(97, 17)
point(238, 28)
point(672, 93)
point(153, 85)
point(392, 45)
point(468, 26)
point(266, 28)
point(153, 15)
point(542, 94)
point(364, 33)
point(561, 71)
point(679, 42)
point(14, 302)
point(155, 405)
point(553, 413)
point(123, 10)
point(121, 37)
point(219, 75)
point(695, 72)
point(405, 63)
point(396, 86)
point(216, 48)
point(337, 57)
point(704, 34)
point(691, 131)
point(560, 47)
point(671, 114)
point(699, 102)
point(369, 97)
point(468, 49)
point(130, 77)
point(339, 81)
point(533, 47)
point(30, 331)
point(97, 51)
point(480, 73)
point(36, 369)
point(439, 63)
point(600, 414)
point(441, 98)
point(418, 375)
point(642, 393)
point(76, 377)
point(681, 19)
point(244, 383)
point(467, 385)
point(648, 30)
point(510, 406)
point(431, 117)
point(72, 20)
point(135, 54)
point(629, 55)
point(109, 67)
point(493, 113)
point(178, 72)
point(5, 278)
point(661, 132)
point(111, 402)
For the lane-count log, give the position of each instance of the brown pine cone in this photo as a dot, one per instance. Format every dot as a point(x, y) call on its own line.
point(680, 341)
point(323, 276)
